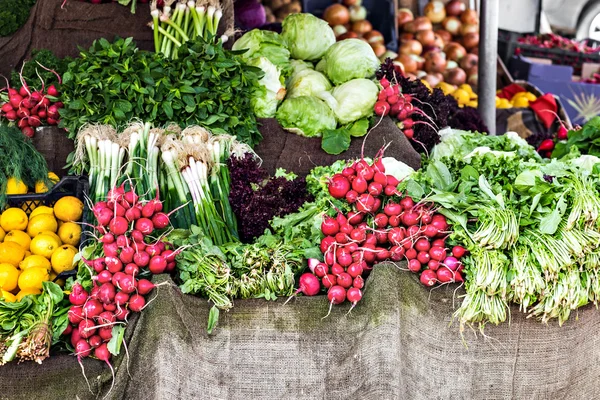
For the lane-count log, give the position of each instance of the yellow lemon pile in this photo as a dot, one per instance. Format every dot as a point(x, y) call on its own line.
point(519, 100)
point(464, 94)
point(38, 247)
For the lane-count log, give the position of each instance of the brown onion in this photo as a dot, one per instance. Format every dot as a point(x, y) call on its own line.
point(389, 54)
point(362, 27)
point(374, 37)
point(438, 41)
point(418, 24)
point(420, 62)
point(435, 62)
point(455, 7)
point(455, 76)
point(472, 71)
point(426, 38)
point(435, 11)
point(444, 34)
point(468, 28)
point(454, 51)
point(452, 25)
point(378, 48)
point(469, 16)
point(348, 35)
point(469, 61)
point(339, 30)
point(404, 16)
point(406, 36)
point(349, 3)
point(473, 80)
point(471, 40)
point(411, 47)
point(475, 51)
point(336, 14)
point(409, 63)
point(357, 13)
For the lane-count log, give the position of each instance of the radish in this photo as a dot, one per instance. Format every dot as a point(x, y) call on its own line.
point(407, 203)
point(437, 253)
point(397, 253)
point(131, 269)
point(107, 293)
point(337, 269)
point(355, 217)
point(344, 280)
point(381, 220)
point(121, 299)
point(395, 236)
point(127, 284)
point(110, 307)
point(160, 220)
point(157, 265)
point(411, 254)
point(136, 303)
point(438, 243)
point(410, 218)
point(358, 282)
point(144, 225)
point(145, 286)
point(75, 335)
point(351, 196)
point(308, 285)
point(347, 229)
point(110, 250)
point(122, 314)
point(375, 189)
point(86, 328)
point(104, 216)
point(113, 264)
point(452, 263)
point(422, 245)
point(132, 214)
point(106, 318)
point(92, 308)
point(78, 295)
point(75, 314)
point(423, 257)
point(358, 235)
point(118, 225)
point(458, 251)
point(108, 238)
point(354, 295)
point(338, 186)
point(82, 348)
point(329, 226)
point(329, 281)
point(343, 256)
point(126, 255)
point(137, 236)
point(348, 171)
point(364, 169)
point(141, 258)
point(119, 210)
point(359, 185)
point(380, 178)
point(433, 265)
point(95, 341)
point(117, 278)
point(428, 278)
point(104, 276)
point(326, 243)
point(105, 332)
point(445, 274)
point(321, 270)
point(354, 270)
point(352, 248)
point(336, 295)
point(382, 237)
point(431, 231)
point(365, 202)
point(390, 190)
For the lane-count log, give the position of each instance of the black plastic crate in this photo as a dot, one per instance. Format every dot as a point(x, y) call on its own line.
point(380, 13)
point(509, 46)
point(77, 186)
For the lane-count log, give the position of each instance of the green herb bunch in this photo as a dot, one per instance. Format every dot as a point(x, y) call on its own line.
point(32, 69)
point(206, 85)
point(13, 15)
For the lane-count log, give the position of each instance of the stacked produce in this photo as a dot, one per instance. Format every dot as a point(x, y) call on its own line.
point(251, 14)
point(323, 84)
point(112, 275)
point(349, 21)
point(440, 46)
point(530, 226)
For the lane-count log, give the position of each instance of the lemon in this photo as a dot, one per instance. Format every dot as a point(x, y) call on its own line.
point(15, 186)
point(13, 219)
point(54, 235)
point(11, 253)
point(2, 234)
point(504, 103)
point(40, 187)
point(44, 245)
point(19, 237)
point(27, 253)
point(446, 88)
point(32, 278)
point(472, 103)
point(8, 297)
point(62, 259)
point(9, 275)
point(520, 102)
point(41, 210)
point(461, 96)
point(41, 223)
point(498, 101)
point(35, 261)
point(530, 96)
point(27, 292)
point(70, 233)
point(427, 85)
point(68, 208)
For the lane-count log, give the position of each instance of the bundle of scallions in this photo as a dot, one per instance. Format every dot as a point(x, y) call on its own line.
point(181, 21)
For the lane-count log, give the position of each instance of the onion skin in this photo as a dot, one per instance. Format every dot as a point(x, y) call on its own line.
point(404, 15)
point(469, 16)
point(411, 47)
point(452, 25)
point(409, 63)
point(336, 14)
point(438, 41)
point(455, 76)
point(469, 61)
point(426, 37)
point(471, 40)
point(362, 27)
point(379, 49)
point(455, 7)
point(435, 62)
point(444, 34)
point(348, 35)
point(418, 24)
point(454, 51)
point(374, 37)
point(435, 11)
point(469, 28)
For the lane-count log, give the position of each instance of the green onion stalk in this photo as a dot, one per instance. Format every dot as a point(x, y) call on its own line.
point(179, 22)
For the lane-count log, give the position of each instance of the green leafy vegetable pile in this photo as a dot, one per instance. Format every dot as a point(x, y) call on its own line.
point(532, 227)
point(206, 85)
point(14, 14)
point(586, 140)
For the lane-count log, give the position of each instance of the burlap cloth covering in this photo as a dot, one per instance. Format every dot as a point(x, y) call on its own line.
point(79, 24)
point(396, 344)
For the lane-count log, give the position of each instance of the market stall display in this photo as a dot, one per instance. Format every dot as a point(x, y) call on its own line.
point(288, 176)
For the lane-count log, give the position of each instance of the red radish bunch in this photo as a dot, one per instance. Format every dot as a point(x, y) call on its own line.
point(125, 224)
point(31, 108)
point(547, 145)
point(383, 225)
point(398, 105)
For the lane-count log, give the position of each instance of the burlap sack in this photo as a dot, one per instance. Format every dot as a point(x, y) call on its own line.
point(396, 344)
point(79, 24)
point(282, 149)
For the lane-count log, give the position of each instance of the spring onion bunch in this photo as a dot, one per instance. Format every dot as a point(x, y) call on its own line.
point(181, 21)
